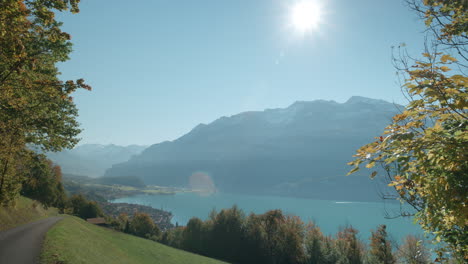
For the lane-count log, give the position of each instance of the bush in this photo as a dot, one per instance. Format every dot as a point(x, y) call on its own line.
point(83, 208)
point(143, 226)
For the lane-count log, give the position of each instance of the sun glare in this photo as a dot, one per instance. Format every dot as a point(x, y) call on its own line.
point(305, 16)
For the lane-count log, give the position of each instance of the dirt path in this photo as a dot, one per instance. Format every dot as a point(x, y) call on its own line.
point(22, 245)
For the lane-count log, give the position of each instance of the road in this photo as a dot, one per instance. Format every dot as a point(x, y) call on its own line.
point(22, 244)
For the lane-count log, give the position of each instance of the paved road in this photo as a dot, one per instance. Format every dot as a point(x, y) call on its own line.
point(22, 245)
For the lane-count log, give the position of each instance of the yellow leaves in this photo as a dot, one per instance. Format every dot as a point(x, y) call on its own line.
point(437, 127)
point(414, 124)
point(451, 91)
point(446, 58)
point(424, 144)
point(428, 21)
point(445, 68)
point(399, 117)
point(398, 183)
point(368, 149)
point(370, 165)
point(352, 171)
point(461, 104)
point(459, 80)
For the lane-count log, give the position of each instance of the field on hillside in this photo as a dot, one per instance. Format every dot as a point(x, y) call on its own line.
point(73, 240)
point(25, 211)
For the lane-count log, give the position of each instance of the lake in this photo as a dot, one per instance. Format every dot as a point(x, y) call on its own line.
point(329, 215)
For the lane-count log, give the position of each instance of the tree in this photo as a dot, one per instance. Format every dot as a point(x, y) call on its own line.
point(274, 238)
point(447, 21)
point(349, 246)
point(90, 210)
point(84, 208)
point(227, 233)
point(424, 151)
point(413, 251)
point(43, 181)
point(173, 237)
point(194, 237)
point(36, 107)
point(380, 247)
point(314, 240)
point(123, 223)
point(76, 203)
point(143, 226)
point(291, 246)
point(330, 252)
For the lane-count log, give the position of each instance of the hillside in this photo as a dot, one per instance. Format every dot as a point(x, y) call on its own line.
point(73, 240)
point(93, 159)
point(301, 150)
point(24, 211)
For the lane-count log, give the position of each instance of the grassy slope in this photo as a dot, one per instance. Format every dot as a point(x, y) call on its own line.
point(25, 210)
point(73, 240)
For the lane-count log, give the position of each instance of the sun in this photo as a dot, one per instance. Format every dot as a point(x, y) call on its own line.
point(305, 16)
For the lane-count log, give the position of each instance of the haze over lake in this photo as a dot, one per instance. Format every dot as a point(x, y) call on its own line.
point(329, 215)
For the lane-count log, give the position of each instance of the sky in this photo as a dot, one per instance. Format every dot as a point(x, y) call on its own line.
point(158, 68)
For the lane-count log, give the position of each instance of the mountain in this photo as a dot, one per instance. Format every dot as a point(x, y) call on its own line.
point(301, 150)
point(93, 159)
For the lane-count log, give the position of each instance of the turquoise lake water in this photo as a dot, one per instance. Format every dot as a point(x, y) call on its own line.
point(329, 215)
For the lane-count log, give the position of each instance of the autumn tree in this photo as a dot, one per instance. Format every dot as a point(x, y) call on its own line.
point(446, 21)
point(43, 181)
point(321, 249)
point(314, 244)
point(292, 245)
point(413, 251)
point(424, 151)
point(380, 247)
point(143, 226)
point(331, 255)
point(349, 246)
point(273, 237)
point(36, 107)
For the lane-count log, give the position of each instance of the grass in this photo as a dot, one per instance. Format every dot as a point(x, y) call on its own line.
point(73, 240)
point(24, 211)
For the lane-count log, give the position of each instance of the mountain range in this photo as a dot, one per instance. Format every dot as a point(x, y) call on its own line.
point(301, 151)
point(93, 159)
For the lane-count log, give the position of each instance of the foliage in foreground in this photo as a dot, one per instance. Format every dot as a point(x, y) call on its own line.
point(425, 149)
point(36, 107)
point(72, 240)
point(273, 237)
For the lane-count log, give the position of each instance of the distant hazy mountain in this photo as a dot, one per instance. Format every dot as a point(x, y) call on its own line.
point(93, 159)
point(301, 150)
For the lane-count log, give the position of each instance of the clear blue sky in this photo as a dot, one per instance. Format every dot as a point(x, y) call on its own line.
point(160, 67)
